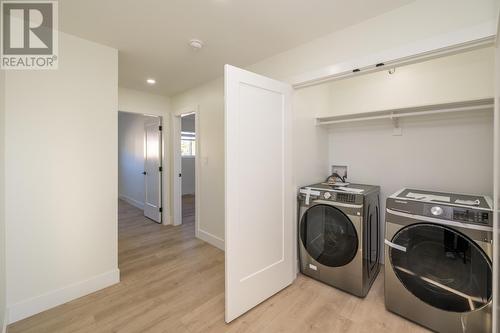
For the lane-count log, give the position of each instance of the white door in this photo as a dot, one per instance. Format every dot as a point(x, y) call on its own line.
point(259, 194)
point(177, 170)
point(152, 170)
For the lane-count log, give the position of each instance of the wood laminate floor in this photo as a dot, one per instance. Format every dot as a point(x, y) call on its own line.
point(173, 282)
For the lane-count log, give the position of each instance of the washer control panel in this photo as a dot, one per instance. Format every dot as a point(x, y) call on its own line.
point(471, 215)
point(459, 214)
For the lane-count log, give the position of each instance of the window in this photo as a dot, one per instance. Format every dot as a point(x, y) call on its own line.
point(188, 144)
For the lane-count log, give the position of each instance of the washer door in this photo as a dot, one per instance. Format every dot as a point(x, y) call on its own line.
point(328, 235)
point(442, 267)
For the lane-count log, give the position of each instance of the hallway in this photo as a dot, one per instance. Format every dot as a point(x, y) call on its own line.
point(166, 273)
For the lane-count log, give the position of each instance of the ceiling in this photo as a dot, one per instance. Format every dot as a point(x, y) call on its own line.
point(152, 35)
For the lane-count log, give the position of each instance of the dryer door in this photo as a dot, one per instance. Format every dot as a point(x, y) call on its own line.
point(328, 235)
point(442, 267)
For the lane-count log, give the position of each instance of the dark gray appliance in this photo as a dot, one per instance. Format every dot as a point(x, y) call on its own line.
point(438, 254)
point(339, 235)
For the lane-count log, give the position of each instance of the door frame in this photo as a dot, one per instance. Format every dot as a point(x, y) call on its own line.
point(177, 166)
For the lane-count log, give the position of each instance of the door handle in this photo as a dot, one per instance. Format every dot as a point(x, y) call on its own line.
point(394, 246)
point(144, 173)
point(180, 175)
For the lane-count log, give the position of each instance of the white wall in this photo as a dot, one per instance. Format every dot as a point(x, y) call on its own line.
point(133, 101)
point(465, 76)
point(61, 178)
point(461, 77)
point(131, 158)
point(2, 201)
point(210, 101)
point(130, 100)
point(310, 143)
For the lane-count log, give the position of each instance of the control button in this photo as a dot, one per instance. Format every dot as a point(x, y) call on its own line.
point(327, 195)
point(436, 210)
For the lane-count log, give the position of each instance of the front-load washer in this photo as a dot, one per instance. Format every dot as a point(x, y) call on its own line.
point(339, 235)
point(438, 260)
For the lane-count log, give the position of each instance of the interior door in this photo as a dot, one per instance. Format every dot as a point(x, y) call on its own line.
point(259, 193)
point(177, 170)
point(152, 169)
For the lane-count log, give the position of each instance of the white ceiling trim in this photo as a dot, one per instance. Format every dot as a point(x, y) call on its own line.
point(481, 35)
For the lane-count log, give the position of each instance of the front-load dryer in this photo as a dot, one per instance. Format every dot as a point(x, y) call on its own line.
point(438, 260)
point(339, 235)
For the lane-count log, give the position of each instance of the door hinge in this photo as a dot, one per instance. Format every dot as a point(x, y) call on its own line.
point(160, 128)
point(161, 210)
point(160, 169)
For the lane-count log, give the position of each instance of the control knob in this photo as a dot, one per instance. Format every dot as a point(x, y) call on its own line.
point(436, 210)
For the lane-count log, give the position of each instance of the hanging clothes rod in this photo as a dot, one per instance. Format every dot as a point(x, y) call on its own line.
point(395, 114)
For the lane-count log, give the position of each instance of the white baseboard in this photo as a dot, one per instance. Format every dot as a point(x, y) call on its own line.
point(210, 239)
point(166, 219)
point(132, 201)
point(30, 307)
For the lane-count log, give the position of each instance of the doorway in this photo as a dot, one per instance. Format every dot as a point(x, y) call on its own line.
point(186, 167)
point(140, 162)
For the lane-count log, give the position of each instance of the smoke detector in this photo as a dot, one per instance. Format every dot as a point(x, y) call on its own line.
point(196, 44)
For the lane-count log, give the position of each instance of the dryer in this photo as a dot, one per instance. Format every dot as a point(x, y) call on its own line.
point(438, 259)
point(339, 235)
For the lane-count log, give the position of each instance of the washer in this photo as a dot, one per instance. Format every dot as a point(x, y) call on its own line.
point(438, 259)
point(339, 235)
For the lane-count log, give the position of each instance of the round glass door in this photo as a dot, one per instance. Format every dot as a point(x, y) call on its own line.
point(328, 236)
point(442, 267)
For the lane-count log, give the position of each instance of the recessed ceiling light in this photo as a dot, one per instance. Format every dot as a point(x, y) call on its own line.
point(196, 44)
point(151, 81)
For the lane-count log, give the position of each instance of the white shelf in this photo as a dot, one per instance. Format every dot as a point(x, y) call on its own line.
point(395, 114)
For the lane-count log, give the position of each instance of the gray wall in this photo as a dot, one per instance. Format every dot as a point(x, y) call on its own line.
point(188, 123)
point(188, 163)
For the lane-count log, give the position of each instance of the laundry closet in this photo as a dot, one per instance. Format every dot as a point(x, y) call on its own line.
point(425, 123)
point(426, 126)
